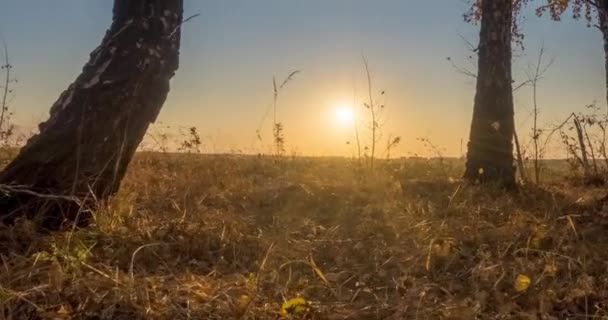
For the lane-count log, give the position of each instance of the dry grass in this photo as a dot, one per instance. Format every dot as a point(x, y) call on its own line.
point(233, 237)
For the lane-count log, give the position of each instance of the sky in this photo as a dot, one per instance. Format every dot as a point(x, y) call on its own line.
point(231, 52)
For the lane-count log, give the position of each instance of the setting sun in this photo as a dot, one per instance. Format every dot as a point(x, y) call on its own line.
point(344, 114)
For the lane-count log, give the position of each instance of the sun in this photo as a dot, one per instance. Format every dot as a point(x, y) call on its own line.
point(344, 114)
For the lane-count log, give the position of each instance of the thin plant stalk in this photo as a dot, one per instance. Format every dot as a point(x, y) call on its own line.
point(372, 109)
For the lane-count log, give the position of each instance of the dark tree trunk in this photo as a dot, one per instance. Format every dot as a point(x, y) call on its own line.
point(490, 148)
point(83, 149)
point(602, 8)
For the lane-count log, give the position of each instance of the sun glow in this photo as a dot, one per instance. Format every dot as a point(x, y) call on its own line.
point(344, 114)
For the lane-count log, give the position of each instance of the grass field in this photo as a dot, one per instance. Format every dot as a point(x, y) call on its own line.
point(245, 237)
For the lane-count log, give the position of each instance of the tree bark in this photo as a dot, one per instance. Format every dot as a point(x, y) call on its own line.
point(520, 160)
point(490, 148)
point(82, 151)
point(602, 8)
point(583, 147)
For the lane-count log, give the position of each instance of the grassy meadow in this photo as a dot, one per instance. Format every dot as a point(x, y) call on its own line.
point(248, 237)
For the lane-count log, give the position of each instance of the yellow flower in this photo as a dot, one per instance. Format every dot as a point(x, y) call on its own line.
point(293, 306)
point(522, 283)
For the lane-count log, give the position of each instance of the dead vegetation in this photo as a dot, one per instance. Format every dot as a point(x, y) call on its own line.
point(236, 237)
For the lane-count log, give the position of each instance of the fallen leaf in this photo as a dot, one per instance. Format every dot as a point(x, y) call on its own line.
point(522, 283)
point(294, 306)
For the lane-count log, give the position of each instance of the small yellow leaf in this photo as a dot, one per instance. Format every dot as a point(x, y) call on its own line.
point(540, 236)
point(522, 283)
point(318, 271)
point(244, 300)
point(444, 248)
point(550, 270)
point(294, 306)
point(63, 311)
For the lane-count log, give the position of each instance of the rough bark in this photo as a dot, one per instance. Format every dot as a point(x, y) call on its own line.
point(520, 159)
point(602, 7)
point(82, 151)
point(583, 147)
point(490, 148)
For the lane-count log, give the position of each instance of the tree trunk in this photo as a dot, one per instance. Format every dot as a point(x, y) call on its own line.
point(602, 8)
point(583, 147)
point(83, 149)
point(520, 160)
point(490, 148)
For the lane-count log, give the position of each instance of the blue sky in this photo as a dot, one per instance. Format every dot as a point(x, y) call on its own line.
point(231, 52)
